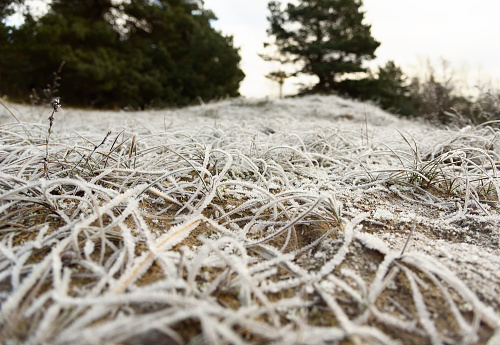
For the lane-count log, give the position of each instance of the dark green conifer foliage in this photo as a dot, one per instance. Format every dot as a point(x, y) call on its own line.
point(326, 38)
point(7, 55)
point(195, 61)
point(139, 53)
point(391, 90)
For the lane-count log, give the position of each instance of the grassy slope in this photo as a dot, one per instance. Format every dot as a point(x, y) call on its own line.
point(247, 221)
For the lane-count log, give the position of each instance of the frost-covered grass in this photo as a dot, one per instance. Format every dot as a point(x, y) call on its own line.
point(308, 221)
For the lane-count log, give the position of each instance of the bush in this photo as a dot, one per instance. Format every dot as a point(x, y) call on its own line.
point(433, 98)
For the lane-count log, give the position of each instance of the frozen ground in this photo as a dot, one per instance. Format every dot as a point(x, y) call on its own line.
point(314, 220)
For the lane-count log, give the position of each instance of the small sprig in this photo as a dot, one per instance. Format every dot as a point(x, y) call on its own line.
point(56, 104)
point(334, 207)
point(87, 158)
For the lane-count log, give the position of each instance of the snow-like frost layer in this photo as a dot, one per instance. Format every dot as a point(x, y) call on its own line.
point(316, 195)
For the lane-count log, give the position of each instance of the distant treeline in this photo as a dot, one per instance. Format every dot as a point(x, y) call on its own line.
point(108, 54)
point(143, 53)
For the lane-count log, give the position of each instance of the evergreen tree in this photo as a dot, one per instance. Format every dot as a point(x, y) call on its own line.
point(183, 56)
point(138, 53)
point(390, 89)
point(326, 38)
point(78, 33)
point(6, 56)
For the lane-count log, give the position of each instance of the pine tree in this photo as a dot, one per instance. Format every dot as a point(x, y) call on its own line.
point(179, 51)
point(78, 33)
point(7, 56)
point(391, 89)
point(325, 38)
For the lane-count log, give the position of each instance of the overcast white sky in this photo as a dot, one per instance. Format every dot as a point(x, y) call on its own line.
point(466, 33)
